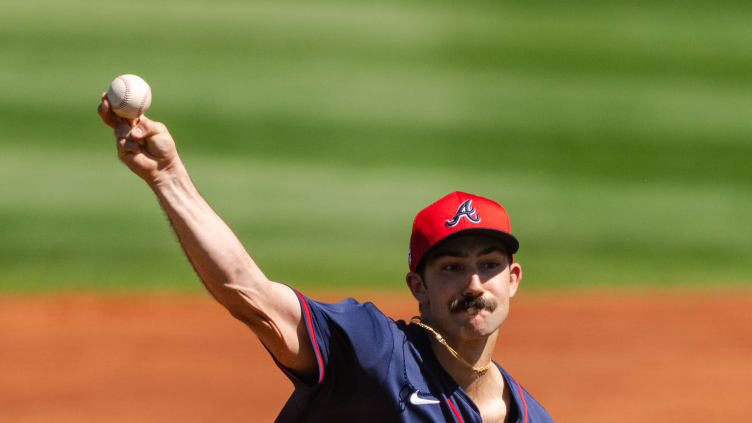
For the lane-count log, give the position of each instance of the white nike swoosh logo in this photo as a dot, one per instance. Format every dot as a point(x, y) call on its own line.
point(416, 400)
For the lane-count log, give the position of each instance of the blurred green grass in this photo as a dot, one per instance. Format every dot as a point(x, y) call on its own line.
point(615, 134)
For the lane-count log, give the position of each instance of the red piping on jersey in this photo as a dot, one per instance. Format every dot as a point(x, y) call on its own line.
point(309, 323)
point(454, 410)
point(524, 404)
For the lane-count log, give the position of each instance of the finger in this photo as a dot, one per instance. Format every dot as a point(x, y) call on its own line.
point(126, 146)
point(123, 130)
point(146, 128)
point(106, 114)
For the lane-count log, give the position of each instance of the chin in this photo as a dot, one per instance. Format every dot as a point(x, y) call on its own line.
point(478, 324)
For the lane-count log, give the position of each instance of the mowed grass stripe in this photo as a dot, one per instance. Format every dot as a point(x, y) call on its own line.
point(583, 30)
point(322, 226)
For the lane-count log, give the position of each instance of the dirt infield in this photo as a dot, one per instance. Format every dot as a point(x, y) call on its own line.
point(588, 357)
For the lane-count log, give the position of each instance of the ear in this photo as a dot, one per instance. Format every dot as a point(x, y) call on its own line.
point(515, 277)
point(417, 287)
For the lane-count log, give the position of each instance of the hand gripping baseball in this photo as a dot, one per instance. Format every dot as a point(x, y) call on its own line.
point(145, 146)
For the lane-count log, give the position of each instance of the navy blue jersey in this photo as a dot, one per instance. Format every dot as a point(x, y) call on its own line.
point(373, 369)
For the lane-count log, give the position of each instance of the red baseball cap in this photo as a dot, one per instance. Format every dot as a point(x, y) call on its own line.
point(458, 213)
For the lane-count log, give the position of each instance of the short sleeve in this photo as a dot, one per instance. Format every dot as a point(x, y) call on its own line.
point(353, 344)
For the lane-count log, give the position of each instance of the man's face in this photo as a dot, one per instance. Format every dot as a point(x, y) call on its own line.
point(466, 287)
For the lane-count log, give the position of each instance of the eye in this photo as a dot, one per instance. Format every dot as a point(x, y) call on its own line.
point(451, 267)
point(491, 265)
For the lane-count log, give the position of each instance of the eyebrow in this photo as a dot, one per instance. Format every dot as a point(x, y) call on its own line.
point(460, 254)
point(491, 249)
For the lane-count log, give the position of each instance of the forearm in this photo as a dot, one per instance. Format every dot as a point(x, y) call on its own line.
point(218, 257)
point(270, 309)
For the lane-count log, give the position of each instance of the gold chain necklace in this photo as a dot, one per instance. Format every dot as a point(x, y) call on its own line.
point(479, 370)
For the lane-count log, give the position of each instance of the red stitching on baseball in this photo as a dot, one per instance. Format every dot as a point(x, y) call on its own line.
point(143, 102)
point(124, 101)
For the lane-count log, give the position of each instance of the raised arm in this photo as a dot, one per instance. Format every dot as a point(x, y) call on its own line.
point(270, 309)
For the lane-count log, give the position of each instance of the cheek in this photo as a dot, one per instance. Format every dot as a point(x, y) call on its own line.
point(501, 296)
point(439, 300)
point(500, 314)
point(504, 307)
point(503, 286)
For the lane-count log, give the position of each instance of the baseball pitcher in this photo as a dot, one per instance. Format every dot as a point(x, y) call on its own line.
point(348, 361)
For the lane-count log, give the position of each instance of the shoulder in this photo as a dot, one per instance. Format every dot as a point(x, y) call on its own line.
point(348, 313)
point(359, 353)
point(349, 328)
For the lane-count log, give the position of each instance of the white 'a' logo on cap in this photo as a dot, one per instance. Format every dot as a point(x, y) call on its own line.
point(466, 210)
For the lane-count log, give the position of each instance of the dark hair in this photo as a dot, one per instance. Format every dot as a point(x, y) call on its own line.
point(421, 271)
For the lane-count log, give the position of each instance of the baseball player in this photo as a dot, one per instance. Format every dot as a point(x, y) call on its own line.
point(348, 361)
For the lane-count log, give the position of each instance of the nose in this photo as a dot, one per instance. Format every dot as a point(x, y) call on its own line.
point(475, 285)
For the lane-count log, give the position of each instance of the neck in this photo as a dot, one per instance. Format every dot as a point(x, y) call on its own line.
point(476, 353)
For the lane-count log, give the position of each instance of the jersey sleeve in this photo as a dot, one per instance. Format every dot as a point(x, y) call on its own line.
point(352, 343)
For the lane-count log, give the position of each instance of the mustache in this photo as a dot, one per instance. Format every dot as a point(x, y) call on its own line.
point(466, 302)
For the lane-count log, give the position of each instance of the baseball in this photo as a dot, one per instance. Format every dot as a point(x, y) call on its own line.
point(129, 96)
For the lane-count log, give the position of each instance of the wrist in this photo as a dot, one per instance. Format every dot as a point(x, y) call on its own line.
point(171, 176)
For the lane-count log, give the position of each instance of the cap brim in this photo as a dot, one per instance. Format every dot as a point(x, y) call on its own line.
point(510, 241)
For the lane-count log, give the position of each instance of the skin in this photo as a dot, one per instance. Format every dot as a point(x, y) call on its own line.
point(271, 310)
point(474, 267)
